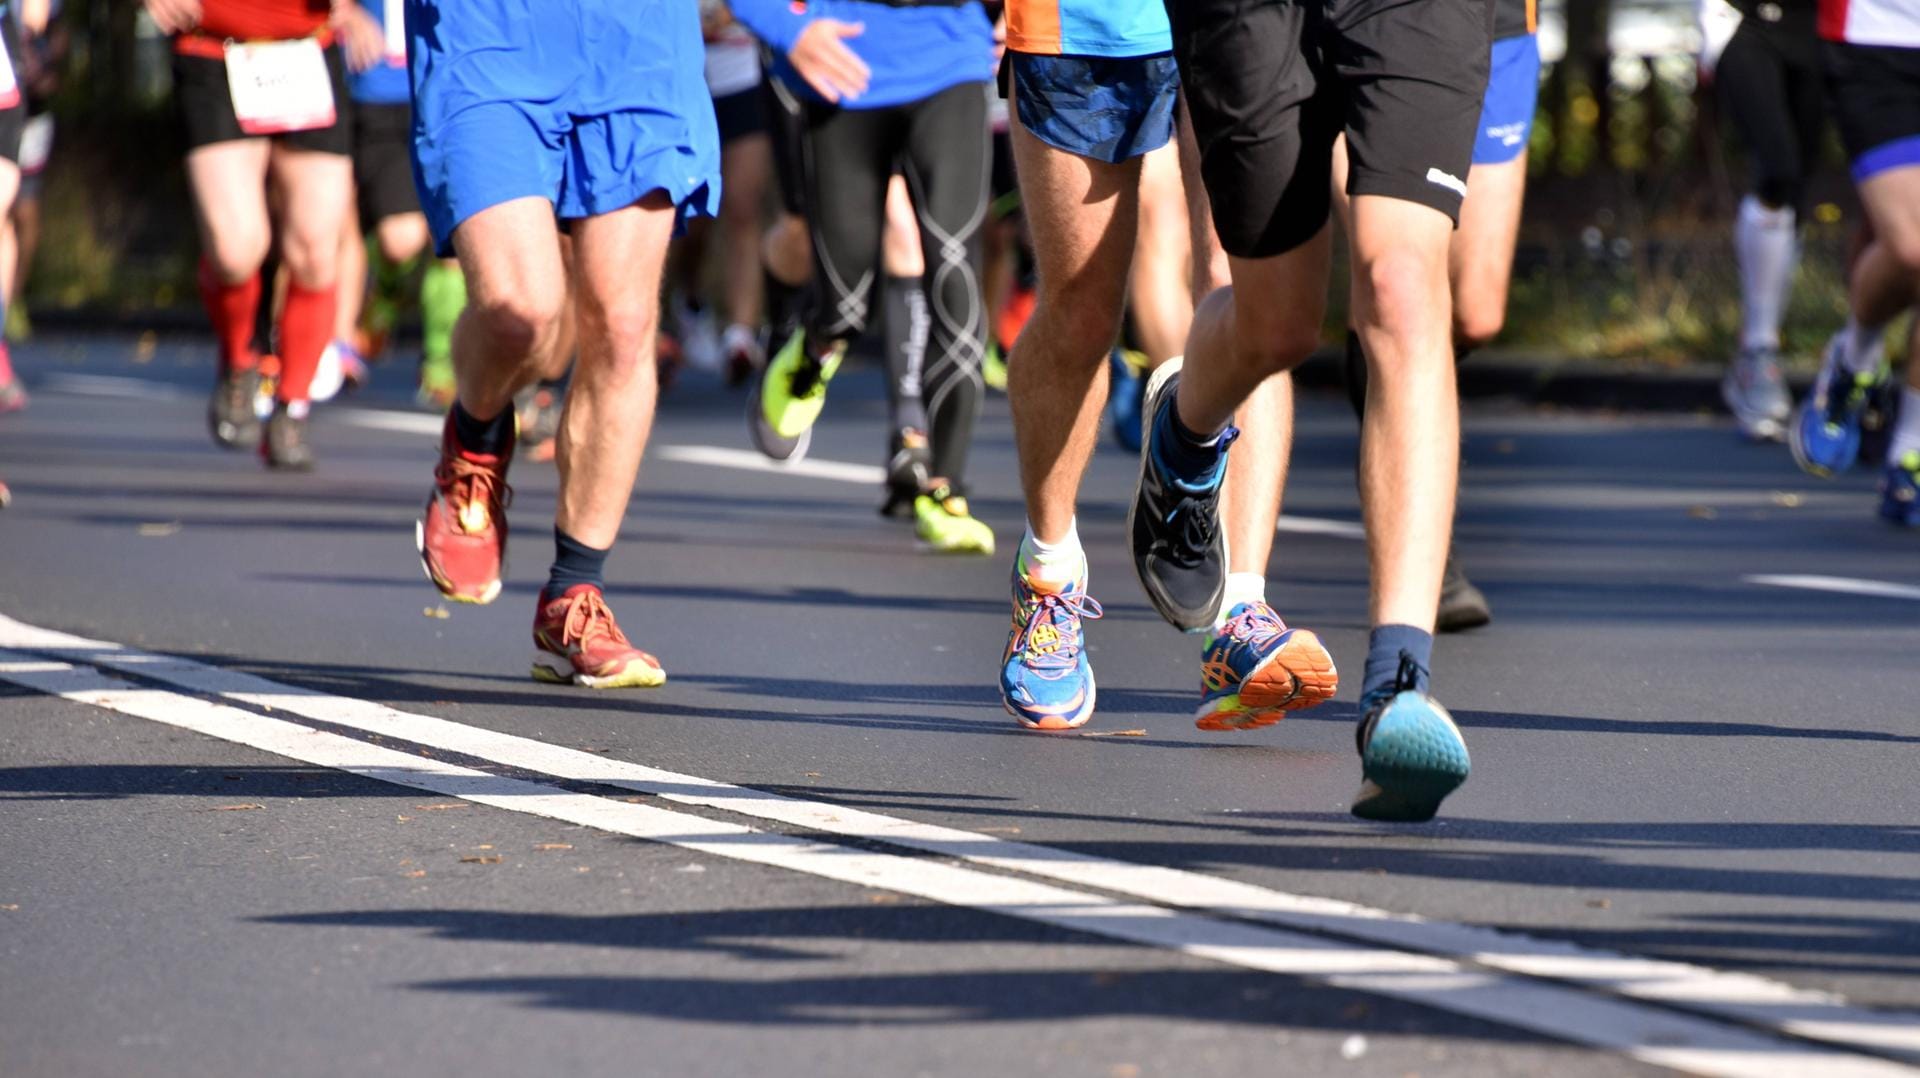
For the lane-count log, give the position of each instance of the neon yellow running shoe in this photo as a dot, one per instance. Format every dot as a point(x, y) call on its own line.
point(993, 368)
point(792, 390)
point(945, 526)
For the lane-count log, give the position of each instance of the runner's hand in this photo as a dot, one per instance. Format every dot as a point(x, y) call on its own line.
point(33, 16)
point(174, 16)
point(835, 71)
point(364, 43)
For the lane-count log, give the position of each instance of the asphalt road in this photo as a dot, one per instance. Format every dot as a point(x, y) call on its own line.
point(1684, 751)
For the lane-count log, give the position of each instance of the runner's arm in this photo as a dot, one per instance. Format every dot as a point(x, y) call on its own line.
point(815, 47)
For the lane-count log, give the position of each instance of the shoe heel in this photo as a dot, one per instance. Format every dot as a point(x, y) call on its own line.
point(1413, 760)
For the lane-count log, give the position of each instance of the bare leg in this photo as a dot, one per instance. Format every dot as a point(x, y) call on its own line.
point(1161, 296)
point(516, 296)
point(746, 163)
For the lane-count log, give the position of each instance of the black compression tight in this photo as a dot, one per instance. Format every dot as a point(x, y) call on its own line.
point(940, 145)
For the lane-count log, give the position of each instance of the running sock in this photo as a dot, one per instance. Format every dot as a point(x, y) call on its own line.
point(738, 339)
point(783, 308)
point(574, 563)
point(1058, 564)
point(6, 360)
point(906, 321)
point(1188, 457)
point(1384, 650)
point(1765, 243)
point(1241, 588)
point(306, 327)
point(443, 295)
point(232, 308)
point(483, 437)
point(1862, 353)
point(1906, 433)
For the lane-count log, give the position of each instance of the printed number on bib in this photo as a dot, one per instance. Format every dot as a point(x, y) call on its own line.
point(9, 84)
point(279, 86)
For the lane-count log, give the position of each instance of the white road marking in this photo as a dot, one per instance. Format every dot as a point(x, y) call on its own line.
point(1749, 999)
point(111, 386)
point(1843, 585)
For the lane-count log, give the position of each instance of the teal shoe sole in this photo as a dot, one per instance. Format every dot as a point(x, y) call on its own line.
point(1414, 759)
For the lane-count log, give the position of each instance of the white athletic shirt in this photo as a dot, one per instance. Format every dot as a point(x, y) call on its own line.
point(1871, 22)
point(733, 58)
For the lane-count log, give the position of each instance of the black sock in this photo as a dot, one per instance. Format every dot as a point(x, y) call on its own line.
point(487, 437)
point(783, 310)
point(574, 563)
point(1193, 459)
point(1386, 648)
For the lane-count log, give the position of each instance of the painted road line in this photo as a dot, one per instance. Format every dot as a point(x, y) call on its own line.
point(1841, 585)
point(1743, 997)
point(112, 387)
point(1648, 1034)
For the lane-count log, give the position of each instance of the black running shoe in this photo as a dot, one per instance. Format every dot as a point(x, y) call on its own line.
point(1173, 528)
point(1461, 604)
point(230, 415)
point(285, 446)
point(909, 470)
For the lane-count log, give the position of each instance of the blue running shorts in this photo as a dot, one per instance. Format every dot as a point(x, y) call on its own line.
point(1097, 107)
point(1513, 89)
point(590, 104)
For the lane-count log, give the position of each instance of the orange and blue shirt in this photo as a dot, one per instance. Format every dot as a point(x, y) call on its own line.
point(1107, 28)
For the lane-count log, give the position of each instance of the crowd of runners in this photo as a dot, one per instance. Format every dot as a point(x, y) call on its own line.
point(1117, 211)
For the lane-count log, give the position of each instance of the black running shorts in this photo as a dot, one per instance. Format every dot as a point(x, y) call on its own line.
point(1876, 96)
point(383, 162)
point(206, 106)
point(1271, 83)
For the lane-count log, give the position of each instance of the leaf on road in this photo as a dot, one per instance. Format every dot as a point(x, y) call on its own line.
point(1703, 512)
point(553, 845)
point(484, 846)
point(235, 808)
point(159, 528)
point(443, 806)
point(415, 874)
point(484, 859)
point(1000, 830)
point(1114, 733)
point(1599, 903)
point(437, 612)
point(9, 907)
point(1786, 499)
point(813, 774)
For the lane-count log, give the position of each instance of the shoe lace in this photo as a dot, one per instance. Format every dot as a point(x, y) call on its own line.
point(1409, 676)
point(464, 483)
point(1049, 641)
point(806, 377)
point(1255, 624)
point(589, 618)
point(1843, 400)
point(1188, 534)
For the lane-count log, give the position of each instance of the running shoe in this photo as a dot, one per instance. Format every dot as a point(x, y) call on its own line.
point(537, 409)
point(1878, 419)
point(284, 447)
point(1756, 394)
point(1825, 433)
point(699, 336)
point(792, 391)
point(945, 526)
point(1411, 753)
point(1462, 606)
point(437, 388)
point(1254, 670)
point(744, 354)
point(1900, 490)
point(1173, 527)
point(13, 395)
point(909, 464)
point(462, 537)
point(232, 416)
point(1045, 680)
point(341, 370)
point(1126, 392)
point(576, 640)
point(993, 368)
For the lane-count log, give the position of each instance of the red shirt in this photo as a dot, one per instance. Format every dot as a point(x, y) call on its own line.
point(262, 20)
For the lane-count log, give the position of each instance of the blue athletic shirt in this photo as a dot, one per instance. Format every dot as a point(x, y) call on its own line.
point(385, 83)
point(1114, 29)
point(913, 51)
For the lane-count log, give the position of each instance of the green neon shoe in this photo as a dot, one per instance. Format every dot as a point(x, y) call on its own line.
point(945, 526)
point(792, 391)
point(993, 369)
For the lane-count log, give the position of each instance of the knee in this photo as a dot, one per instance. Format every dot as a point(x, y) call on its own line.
point(1405, 290)
point(517, 321)
point(1475, 325)
point(312, 257)
point(1904, 246)
point(401, 237)
point(626, 337)
point(236, 257)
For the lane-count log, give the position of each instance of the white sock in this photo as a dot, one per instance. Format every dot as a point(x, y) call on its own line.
point(1906, 433)
point(1241, 588)
point(1862, 355)
point(1059, 563)
point(739, 338)
point(1765, 242)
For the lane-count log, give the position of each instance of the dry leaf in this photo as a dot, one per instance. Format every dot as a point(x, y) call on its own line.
point(883, 898)
point(1702, 512)
point(159, 528)
point(484, 846)
point(1599, 903)
point(437, 612)
point(9, 906)
point(443, 805)
point(553, 845)
point(1000, 830)
point(1786, 499)
point(1114, 733)
point(582, 868)
point(234, 808)
point(487, 859)
point(415, 874)
point(813, 774)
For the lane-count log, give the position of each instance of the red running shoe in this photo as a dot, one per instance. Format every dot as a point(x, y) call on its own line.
point(576, 640)
point(463, 535)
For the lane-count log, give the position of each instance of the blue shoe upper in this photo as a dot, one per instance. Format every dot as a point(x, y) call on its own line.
point(1045, 673)
point(1236, 649)
point(1900, 490)
point(1825, 435)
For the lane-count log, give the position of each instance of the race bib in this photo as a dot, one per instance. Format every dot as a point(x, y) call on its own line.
point(279, 86)
point(9, 84)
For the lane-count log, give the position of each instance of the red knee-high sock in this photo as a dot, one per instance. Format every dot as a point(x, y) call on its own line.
point(306, 325)
point(231, 307)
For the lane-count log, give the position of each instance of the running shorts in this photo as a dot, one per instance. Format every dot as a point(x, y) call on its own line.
point(1513, 89)
point(1772, 81)
point(1271, 83)
point(589, 104)
point(1876, 95)
point(740, 114)
point(206, 106)
point(382, 163)
point(1097, 107)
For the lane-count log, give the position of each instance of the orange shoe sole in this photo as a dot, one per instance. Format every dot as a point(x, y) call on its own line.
point(1299, 675)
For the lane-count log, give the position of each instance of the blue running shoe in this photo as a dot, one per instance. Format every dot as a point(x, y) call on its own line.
point(1045, 679)
point(1254, 670)
point(1900, 490)
point(1411, 754)
point(1126, 392)
point(1825, 433)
